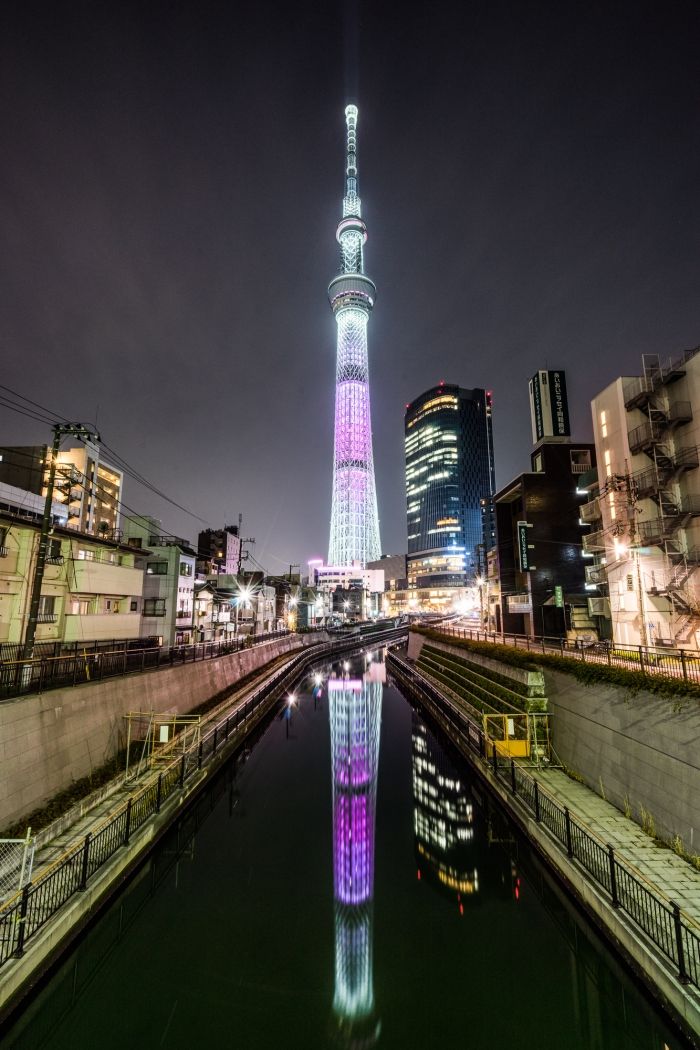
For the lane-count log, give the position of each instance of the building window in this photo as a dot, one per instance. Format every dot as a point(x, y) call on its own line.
point(537, 463)
point(133, 606)
point(603, 424)
point(185, 568)
point(157, 568)
point(81, 606)
point(85, 555)
point(47, 609)
point(112, 605)
point(630, 582)
point(154, 607)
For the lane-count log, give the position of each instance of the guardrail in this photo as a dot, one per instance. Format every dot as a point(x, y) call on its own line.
point(673, 932)
point(18, 677)
point(24, 915)
point(671, 663)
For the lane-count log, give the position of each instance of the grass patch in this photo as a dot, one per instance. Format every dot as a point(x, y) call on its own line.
point(44, 815)
point(588, 672)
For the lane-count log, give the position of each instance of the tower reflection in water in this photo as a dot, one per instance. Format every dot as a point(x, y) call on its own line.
point(355, 717)
point(443, 817)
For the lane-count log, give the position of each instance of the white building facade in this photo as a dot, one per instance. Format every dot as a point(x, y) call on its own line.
point(646, 518)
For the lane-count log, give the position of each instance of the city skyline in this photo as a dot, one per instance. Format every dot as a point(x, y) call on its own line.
point(536, 195)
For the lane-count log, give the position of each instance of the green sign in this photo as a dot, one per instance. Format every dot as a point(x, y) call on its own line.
point(559, 597)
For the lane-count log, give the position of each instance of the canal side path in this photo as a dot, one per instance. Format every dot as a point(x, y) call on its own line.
point(665, 874)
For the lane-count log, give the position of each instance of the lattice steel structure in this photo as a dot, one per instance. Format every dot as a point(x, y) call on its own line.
point(354, 518)
point(355, 716)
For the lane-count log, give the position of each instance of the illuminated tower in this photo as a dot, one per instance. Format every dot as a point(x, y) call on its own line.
point(354, 519)
point(355, 717)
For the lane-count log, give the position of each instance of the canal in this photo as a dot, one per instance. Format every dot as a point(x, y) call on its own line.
point(344, 882)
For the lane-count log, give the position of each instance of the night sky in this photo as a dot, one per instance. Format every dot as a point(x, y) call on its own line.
point(171, 180)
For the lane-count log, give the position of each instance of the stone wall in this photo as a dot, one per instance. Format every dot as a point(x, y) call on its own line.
point(47, 741)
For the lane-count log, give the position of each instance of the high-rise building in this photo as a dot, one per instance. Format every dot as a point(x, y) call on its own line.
point(354, 519)
point(450, 481)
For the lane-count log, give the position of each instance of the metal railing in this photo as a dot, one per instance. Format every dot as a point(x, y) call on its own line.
point(668, 662)
point(25, 914)
point(18, 677)
point(674, 933)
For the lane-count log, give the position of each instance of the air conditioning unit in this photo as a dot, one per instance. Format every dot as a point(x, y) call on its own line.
point(599, 607)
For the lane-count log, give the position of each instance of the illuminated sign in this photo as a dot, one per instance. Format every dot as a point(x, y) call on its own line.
point(524, 546)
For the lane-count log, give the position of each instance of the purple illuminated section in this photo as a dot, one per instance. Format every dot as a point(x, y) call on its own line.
point(355, 717)
point(355, 723)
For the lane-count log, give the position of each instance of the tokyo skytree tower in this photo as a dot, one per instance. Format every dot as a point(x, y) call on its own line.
point(354, 519)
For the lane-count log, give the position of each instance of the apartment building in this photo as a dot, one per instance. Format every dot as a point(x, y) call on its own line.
point(86, 486)
point(168, 590)
point(646, 513)
point(91, 591)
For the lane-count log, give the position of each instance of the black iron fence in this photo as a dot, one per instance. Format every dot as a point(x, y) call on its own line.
point(683, 664)
point(23, 916)
point(675, 934)
point(92, 664)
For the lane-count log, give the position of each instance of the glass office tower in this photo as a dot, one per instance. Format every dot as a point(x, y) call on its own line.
point(450, 482)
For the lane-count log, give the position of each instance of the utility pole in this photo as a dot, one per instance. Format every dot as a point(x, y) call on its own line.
point(60, 430)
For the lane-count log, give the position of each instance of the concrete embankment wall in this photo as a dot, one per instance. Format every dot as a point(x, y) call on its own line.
point(47, 741)
point(640, 750)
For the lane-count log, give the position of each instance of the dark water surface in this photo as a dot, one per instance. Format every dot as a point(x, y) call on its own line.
point(284, 912)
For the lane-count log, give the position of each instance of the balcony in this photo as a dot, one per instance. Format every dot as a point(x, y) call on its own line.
point(596, 575)
point(686, 459)
point(54, 559)
point(590, 511)
point(47, 617)
point(644, 437)
point(594, 541)
point(96, 577)
point(3, 552)
point(679, 413)
point(656, 531)
point(100, 626)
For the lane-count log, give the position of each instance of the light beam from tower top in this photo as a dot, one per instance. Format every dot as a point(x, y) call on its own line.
point(351, 201)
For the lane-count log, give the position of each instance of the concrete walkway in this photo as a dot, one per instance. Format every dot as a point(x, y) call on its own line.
point(52, 846)
point(668, 873)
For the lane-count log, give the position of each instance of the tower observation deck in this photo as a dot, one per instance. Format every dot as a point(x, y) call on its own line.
point(354, 519)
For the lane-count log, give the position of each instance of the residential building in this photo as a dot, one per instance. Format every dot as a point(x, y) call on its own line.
point(646, 516)
point(169, 566)
point(450, 481)
point(91, 590)
point(221, 548)
point(86, 485)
